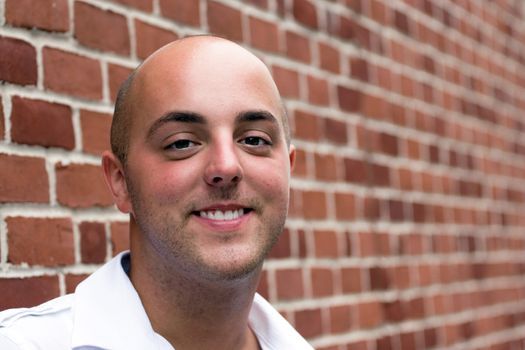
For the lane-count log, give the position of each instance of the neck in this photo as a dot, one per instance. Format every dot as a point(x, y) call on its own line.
point(191, 312)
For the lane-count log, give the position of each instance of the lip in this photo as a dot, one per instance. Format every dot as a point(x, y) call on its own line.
point(223, 225)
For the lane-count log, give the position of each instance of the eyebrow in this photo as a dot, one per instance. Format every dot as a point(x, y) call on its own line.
point(176, 116)
point(257, 115)
point(196, 118)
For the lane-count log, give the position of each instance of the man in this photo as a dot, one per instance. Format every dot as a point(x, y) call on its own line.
point(200, 160)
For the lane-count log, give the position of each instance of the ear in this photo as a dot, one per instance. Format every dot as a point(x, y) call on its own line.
point(116, 181)
point(291, 155)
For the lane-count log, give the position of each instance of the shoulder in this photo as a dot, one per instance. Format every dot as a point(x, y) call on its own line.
point(49, 325)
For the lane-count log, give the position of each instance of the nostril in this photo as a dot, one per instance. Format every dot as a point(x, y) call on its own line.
point(217, 179)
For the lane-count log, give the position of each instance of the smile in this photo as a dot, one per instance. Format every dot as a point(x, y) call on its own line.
point(223, 215)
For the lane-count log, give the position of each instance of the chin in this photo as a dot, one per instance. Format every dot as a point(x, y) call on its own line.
point(232, 268)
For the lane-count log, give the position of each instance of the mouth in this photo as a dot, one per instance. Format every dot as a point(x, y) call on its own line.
point(222, 214)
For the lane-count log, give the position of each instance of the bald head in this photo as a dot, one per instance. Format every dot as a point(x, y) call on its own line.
point(194, 64)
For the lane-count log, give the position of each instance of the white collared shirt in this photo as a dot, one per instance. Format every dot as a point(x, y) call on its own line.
point(105, 312)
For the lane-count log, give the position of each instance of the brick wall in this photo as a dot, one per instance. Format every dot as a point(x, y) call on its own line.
point(407, 221)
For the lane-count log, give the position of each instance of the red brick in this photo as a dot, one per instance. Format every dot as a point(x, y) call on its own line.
point(143, 5)
point(309, 323)
point(50, 15)
point(378, 12)
point(95, 131)
point(263, 288)
point(318, 91)
point(329, 58)
point(359, 69)
point(298, 47)
point(282, 249)
point(19, 66)
point(2, 125)
point(23, 179)
point(322, 282)
point(185, 11)
point(149, 38)
point(326, 244)
point(349, 99)
point(81, 186)
point(224, 21)
point(264, 35)
point(401, 21)
point(72, 282)
point(92, 242)
point(305, 12)
point(343, 27)
point(378, 278)
point(117, 74)
point(27, 292)
point(356, 170)
point(40, 241)
point(72, 74)
point(289, 284)
point(314, 205)
point(326, 167)
point(340, 318)
point(287, 81)
point(35, 122)
point(351, 280)
point(300, 165)
point(370, 314)
point(306, 126)
point(100, 29)
point(345, 206)
point(335, 131)
point(119, 237)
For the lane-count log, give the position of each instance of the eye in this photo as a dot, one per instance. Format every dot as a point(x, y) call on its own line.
point(181, 145)
point(255, 141)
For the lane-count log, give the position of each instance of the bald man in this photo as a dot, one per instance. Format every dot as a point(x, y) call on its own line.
point(200, 161)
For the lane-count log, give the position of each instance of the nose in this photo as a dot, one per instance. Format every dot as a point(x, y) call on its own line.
point(223, 168)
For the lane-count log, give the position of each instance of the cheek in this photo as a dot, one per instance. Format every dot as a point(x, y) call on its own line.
point(271, 183)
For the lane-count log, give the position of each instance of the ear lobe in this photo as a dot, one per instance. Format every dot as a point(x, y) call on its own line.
point(116, 181)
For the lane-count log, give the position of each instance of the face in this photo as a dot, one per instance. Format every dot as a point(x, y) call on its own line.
point(208, 166)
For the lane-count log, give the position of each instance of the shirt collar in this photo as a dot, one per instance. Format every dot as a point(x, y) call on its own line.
point(108, 312)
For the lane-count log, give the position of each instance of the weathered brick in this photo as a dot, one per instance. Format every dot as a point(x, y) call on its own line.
point(340, 318)
point(69, 73)
point(351, 280)
point(318, 91)
point(349, 99)
point(149, 38)
point(345, 206)
point(72, 281)
point(23, 179)
point(324, 282)
point(95, 131)
point(289, 283)
point(305, 12)
point(314, 205)
point(329, 58)
point(40, 241)
point(19, 66)
point(36, 122)
point(2, 124)
point(50, 15)
point(264, 35)
point(309, 322)
point(119, 237)
point(335, 131)
point(185, 11)
point(306, 126)
point(81, 185)
point(298, 47)
point(282, 248)
point(101, 29)
point(225, 21)
point(92, 242)
point(116, 75)
point(27, 292)
point(326, 244)
point(326, 167)
point(370, 314)
point(287, 81)
point(143, 5)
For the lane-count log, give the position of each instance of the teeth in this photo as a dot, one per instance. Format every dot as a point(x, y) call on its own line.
point(222, 216)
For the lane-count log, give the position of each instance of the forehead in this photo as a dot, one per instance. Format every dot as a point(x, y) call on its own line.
point(214, 79)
